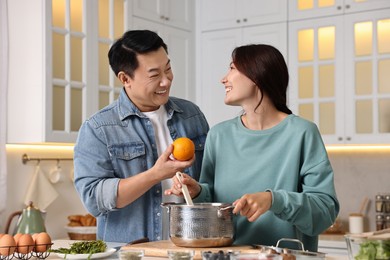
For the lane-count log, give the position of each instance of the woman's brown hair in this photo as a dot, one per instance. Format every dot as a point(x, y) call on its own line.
point(266, 67)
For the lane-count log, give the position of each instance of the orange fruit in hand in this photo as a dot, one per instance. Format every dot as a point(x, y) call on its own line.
point(183, 149)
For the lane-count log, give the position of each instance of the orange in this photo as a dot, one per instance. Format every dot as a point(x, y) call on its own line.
point(183, 149)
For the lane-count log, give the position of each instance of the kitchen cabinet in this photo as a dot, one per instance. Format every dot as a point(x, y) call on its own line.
point(58, 63)
point(181, 53)
point(215, 56)
point(304, 9)
point(222, 14)
point(175, 13)
point(339, 68)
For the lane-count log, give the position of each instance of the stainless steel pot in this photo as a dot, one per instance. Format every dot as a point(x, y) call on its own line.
point(201, 224)
point(299, 254)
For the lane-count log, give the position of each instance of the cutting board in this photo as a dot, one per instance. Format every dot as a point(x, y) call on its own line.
point(160, 248)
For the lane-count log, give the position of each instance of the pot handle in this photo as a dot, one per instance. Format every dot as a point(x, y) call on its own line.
point(291, 240)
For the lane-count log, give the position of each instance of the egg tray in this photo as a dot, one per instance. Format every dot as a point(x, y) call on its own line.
point(17, 255)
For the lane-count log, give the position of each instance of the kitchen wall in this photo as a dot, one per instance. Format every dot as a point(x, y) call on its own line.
point(358, 174)
point(19, 178)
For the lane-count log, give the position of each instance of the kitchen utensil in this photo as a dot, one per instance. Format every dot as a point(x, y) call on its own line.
point(200, 225)
point(31, 220)
point(299, 254)
point(184, 189)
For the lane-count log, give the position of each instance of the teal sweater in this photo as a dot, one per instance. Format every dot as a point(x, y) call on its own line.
point(288, 160)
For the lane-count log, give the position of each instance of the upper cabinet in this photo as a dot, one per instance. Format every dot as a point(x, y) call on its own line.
point(176, 13)
point(62, 58)
point(222, 14)
point(304, 9)
point(340, 74)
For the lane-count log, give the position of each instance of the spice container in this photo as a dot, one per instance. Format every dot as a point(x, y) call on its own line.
point(386, 204)
point(379, 203)
point(131, 254)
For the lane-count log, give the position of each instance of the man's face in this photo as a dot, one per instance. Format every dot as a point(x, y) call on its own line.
point(150, 86)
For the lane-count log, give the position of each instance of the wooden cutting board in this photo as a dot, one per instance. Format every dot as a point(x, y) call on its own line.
point(160, 248)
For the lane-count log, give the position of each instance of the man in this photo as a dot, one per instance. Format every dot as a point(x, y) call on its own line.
point(122, 157)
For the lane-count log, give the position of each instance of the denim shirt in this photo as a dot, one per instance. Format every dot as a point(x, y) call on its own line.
point(119, 142)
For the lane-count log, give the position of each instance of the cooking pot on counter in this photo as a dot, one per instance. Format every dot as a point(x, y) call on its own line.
point(299, 254)
point(201, 224)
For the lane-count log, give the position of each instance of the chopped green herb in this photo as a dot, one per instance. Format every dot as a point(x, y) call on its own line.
point(83, 247)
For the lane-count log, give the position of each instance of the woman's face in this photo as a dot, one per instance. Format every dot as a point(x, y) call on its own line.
point(239, 89)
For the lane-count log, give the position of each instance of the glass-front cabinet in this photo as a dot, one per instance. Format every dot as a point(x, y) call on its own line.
point(340, 76)
point(61, 45)
point(304, 9)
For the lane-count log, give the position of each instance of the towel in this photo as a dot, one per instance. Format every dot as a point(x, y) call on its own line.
point(40, 191)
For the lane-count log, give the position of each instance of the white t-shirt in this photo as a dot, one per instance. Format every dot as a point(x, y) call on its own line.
point(159, 120)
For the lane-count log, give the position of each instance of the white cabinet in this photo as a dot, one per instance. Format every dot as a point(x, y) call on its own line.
point(339, 76)
point(215, 56)
point(222, 14)
point(58, 64)
point(176, 13)
point(181, 53)
point(304, 9)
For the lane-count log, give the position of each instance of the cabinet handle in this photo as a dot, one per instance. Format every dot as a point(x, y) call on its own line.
point(338, 7)
point(347, 6)
point(340, 138)
point(162, 17)
point(238, 20)
point(166, 18)
point(348, 138)
point(245, 20)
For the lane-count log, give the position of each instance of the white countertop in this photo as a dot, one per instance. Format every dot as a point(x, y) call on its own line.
point(66, 243)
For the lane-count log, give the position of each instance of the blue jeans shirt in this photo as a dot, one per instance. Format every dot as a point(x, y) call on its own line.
point(119, 142)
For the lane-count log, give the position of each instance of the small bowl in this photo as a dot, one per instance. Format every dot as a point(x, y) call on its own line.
point(131, 254)
point(359, 246)
point(181, 254)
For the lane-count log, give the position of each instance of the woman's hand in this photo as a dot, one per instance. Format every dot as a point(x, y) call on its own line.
point(253, 205)
point(192, 185)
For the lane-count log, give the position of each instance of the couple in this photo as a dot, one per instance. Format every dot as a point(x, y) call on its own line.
point(271, 164)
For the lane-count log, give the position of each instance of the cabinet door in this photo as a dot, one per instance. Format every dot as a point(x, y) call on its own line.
point(216, 49)
point(316, 90)
point(180, 51)
point(223, 14)
point(108, 30)
point(218, 14)
point(256, 12)
point(353, 6)
point(66, 90)
point(303, 9)
point(367, 50)
point(177, 13)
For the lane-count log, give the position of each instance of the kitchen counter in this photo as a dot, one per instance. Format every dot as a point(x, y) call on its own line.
point(66, 243)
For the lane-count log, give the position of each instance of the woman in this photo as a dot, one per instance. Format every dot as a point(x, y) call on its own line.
point(271, 164)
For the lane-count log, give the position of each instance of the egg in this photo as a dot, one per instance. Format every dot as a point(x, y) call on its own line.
point(42, 242)
point(7, 245)
point(17, 236)
point(25, 244)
